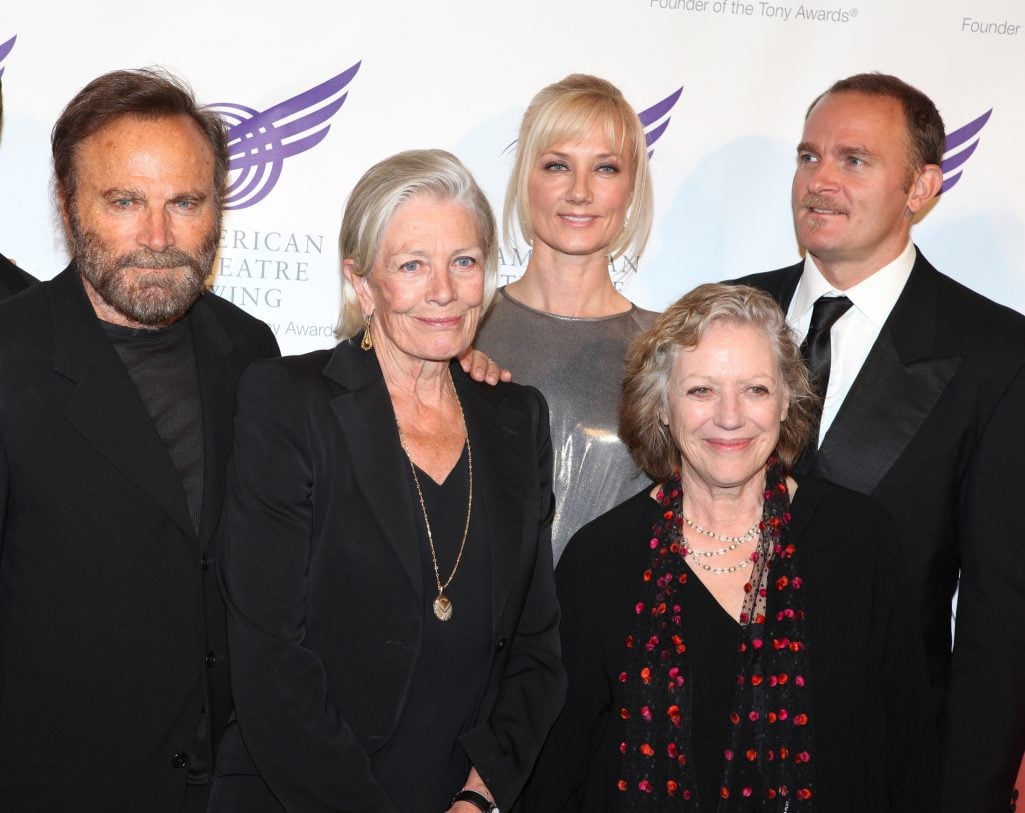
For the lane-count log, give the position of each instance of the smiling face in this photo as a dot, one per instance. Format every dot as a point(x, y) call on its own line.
point(426, 286)
point(144, 218)
point(725, 402)
point(854, 191)
point(579, 195)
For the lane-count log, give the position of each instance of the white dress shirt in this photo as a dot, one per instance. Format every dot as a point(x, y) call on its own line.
point(854, 333)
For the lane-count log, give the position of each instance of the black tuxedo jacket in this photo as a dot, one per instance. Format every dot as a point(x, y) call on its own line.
point(934, 428)
point(321, 570)
point(111, 625)
point(13, 280)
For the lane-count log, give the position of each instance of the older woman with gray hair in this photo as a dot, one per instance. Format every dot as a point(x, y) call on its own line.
point(740, 643)
point(386, 560)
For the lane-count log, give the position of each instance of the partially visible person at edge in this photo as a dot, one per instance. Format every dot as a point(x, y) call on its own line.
point(12, 279)
point(735, 639)
point(580, 195)
point(387, 558)
point(117, 390)
point(924, 410)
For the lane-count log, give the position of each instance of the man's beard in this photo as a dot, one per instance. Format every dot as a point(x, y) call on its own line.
point(152, 299)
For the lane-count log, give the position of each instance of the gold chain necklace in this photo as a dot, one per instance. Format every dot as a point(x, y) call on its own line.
point(442, 603)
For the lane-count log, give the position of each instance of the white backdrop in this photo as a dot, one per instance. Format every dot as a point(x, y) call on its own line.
point(457, 74)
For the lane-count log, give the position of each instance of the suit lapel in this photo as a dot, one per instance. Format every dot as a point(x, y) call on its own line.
point(105, 406)
point(782, 285)
point(897, 387)
point(499, 438)
point(367, 422)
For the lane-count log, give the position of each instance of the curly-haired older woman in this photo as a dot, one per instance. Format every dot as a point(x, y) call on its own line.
point(734, 640)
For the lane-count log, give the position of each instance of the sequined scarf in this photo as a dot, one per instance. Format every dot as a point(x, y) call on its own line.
point(767, 765)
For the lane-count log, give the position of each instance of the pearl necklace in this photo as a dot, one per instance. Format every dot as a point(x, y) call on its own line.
point(747, 536)
point(750, 535)
point(718, 571)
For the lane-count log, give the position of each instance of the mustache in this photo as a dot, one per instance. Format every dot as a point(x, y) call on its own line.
point(812, 201)
point(168, 258)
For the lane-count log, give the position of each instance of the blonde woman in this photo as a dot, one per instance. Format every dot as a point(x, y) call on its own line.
point(580, 195)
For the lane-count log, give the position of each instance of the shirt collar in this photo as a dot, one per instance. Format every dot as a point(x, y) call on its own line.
point(874, 296)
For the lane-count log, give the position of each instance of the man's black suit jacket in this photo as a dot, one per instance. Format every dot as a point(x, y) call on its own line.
point(112, 635)
point(934, 428)
point(13, 280)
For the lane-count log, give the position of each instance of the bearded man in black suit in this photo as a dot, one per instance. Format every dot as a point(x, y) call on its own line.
point(117, 392)
point(924, 409)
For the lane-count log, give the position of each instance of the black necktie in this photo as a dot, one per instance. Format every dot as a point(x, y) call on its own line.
point(816, 347)
point(816, 350)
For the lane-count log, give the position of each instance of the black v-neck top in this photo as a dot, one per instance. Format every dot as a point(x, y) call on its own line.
point(711, 636)
point(424, 765)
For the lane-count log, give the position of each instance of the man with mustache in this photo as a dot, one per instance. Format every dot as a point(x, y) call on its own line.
point(117, 392)
point(924, 409)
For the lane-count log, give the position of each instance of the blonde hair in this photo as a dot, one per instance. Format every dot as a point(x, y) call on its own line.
point(566, 111)
point(386, 186)
point(649, 364)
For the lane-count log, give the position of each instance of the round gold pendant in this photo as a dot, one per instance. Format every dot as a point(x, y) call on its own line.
point(442, 607)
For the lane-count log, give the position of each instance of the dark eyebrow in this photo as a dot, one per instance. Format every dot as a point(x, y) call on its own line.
point(122, 192)
point(198, 197)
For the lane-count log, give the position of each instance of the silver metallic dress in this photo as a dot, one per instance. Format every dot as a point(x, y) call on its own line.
point(577, 364)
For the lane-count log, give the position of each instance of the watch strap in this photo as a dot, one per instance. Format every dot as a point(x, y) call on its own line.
point(478, 800)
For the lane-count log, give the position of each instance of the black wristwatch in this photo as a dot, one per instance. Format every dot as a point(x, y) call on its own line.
point(478, 800)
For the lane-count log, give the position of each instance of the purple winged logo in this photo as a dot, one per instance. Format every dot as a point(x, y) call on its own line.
point(960, 145)
point(259, 142)
point(654, 119)
point(5, 49)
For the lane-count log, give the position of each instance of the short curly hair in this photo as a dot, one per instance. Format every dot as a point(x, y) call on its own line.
point(683, 324)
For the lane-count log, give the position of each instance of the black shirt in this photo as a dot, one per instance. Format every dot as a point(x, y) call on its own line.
point(162, 365)
point(424, 765)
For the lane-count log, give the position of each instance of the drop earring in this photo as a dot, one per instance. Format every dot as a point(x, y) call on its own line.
point(367, 342)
